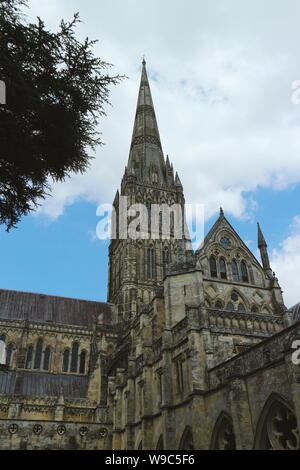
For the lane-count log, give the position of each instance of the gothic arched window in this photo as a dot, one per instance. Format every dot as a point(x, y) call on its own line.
point(74, 357)
point(186, 442)
point(235, 271)
point(29, 357)
point(223, 436)
point(213, 266)
point(82, 362)
point(9, 354)
point(223, 271)
point(2, 350)
point(66, 358)
point(38, 354)
point(219, 305)
point(46, 363)
point(241, 308)
point(279, 428)
point(150, 263)
point(229, 307)
point(244, 272)
point(254, 309)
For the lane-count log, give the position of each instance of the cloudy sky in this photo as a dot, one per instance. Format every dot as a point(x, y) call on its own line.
point(221, 74)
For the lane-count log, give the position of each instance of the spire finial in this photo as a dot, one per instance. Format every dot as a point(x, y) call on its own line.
point(260, 237)
point(221, 211)
point(144, 61)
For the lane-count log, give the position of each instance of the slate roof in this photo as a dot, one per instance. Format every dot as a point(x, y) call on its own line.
point(16, 305)
point(43, 384)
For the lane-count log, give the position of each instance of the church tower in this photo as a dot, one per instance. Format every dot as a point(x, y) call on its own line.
point(137, 266)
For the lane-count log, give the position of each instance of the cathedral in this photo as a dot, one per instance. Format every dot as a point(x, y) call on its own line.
point(192, 350)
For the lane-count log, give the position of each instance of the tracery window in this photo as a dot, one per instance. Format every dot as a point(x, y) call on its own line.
point(241, 308)
point(244, 272)
point(229, 307)
point(213, 266)
point(280, 431)
point(225, 242)
point(235, 271)
point(223, 271)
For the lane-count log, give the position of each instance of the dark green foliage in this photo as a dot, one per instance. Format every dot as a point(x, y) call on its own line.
point(56, 90)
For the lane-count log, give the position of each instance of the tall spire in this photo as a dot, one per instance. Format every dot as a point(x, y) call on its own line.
point(146, 156)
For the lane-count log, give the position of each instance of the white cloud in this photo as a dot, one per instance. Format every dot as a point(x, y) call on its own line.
point(222, 92)
point(286, 261)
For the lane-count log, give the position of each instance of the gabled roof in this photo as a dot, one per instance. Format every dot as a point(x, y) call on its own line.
point(222, 223)
point(16, 305)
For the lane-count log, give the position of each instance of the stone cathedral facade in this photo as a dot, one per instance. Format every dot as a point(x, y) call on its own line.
point(193, 350)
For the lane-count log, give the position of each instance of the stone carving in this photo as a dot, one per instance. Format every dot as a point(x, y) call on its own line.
point(102, 432)
point(13, 428)
point(83, 431)
point(37, 429)
point(61, 429)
